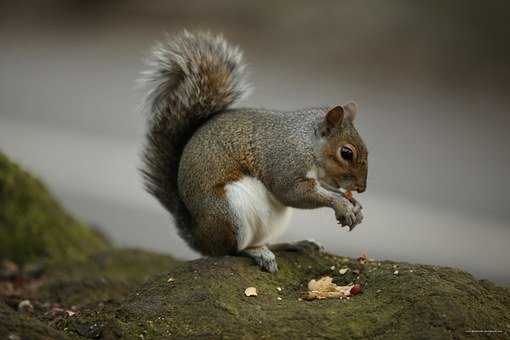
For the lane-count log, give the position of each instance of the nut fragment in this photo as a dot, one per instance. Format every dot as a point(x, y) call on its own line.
point(25, 306)
point(363, 258)
point(356, 289)
point(348, 195)
point(250, 291)
point(325, 288)
point(324, 284)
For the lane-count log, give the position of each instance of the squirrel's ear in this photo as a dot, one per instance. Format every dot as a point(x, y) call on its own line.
point(333, 119)
point(350, 110)
point(335, 116)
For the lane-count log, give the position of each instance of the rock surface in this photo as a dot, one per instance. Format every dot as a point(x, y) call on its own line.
point(88, 289)
point(205, 298)
point(67, 288)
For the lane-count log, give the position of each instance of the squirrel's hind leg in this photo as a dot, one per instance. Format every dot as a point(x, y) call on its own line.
point(224, 234)
point(239, 218)
point(259, 216)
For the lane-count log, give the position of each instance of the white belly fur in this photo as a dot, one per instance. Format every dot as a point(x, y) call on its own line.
point(261, 216)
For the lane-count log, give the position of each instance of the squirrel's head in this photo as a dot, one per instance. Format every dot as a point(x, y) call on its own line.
point(342, 152)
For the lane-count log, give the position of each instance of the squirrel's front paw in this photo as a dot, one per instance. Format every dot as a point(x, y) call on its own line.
point(348, 214)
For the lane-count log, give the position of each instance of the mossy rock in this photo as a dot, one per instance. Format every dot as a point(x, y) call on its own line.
point(105, 277)
point(101, 281)
point(18, 326)
point(34, 226)
point(205, 298)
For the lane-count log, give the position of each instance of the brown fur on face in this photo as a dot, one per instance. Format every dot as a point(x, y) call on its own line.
point(338, 172)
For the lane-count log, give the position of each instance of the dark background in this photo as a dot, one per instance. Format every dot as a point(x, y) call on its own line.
point(431, 79)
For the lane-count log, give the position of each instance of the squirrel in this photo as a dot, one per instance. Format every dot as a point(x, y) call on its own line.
point(230, 176)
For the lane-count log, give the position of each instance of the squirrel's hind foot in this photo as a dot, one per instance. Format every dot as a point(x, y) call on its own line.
point(298, 246)
point(263, 257)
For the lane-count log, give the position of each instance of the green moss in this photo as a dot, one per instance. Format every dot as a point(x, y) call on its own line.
point(206, 299)
point(34, 226)
point(99, 283)
point(107, 276)
point(14, 325)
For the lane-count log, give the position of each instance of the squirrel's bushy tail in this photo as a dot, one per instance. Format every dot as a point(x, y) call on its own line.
point(191, 78)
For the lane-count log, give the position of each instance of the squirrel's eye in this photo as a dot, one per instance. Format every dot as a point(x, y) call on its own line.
point(347, 152)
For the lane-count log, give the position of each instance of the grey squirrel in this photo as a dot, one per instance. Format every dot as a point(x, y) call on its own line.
point(228, 176)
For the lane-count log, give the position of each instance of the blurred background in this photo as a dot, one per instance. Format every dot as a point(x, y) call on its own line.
point(431, 78)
